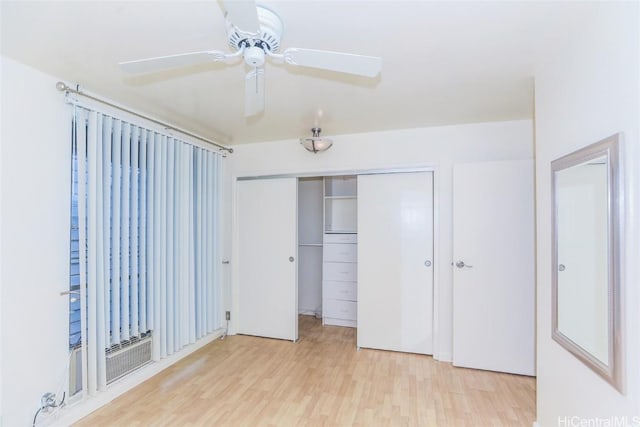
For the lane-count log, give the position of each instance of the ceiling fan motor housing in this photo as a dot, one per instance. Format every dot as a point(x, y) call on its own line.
point(270, 35)
point(254, 56)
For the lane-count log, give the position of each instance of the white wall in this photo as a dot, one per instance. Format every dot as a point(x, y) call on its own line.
point(587, 90)
point(35, 179)
point(437, 146)
point(35, 173)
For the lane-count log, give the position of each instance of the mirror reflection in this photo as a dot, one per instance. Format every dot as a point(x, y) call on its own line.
point(582, 255)
point(586, 266)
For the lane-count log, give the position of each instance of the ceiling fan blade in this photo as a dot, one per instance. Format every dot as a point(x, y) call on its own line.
point(243, 14)
point(159, 63)
point(368, 66)
point(254, 92)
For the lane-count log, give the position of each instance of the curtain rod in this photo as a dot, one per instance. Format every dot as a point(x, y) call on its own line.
point(62, 87)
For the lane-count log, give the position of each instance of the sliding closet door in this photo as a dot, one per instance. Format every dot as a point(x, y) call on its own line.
point(395, 262)
point(266, 265)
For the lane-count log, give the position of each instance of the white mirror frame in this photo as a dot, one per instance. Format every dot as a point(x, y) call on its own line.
point(613, 370)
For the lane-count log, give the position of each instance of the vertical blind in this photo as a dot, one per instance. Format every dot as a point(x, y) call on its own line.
point(147, 230)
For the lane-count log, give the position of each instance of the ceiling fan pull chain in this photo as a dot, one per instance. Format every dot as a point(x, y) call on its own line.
point(257, 88)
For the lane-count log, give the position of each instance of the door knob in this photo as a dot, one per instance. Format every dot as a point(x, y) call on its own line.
point(427, 263)
point(461, 264)
point(291, 259)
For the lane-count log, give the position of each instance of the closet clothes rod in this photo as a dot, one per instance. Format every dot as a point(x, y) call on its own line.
point(62, 87)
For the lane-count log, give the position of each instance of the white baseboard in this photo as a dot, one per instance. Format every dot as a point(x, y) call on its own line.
point(443, 357)
point(74, 412)
point(307, 312)
point(535, 424)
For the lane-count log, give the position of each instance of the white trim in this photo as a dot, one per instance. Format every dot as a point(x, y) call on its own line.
point(368, 171)
point(443, 357)
point(2, 142)
point(307, 313)
point(436, 269)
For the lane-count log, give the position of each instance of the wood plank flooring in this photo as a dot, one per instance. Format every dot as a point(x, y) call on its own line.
point(319, 381)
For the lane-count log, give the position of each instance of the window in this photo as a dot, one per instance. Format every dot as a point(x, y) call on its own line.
point(74, 280)
point(143, 247)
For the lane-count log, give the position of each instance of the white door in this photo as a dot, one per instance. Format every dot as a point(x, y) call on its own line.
point(493, 271)
point(266, 266)
point(395, 262)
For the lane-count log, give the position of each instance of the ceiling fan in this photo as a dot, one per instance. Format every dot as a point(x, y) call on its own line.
point(254, 33)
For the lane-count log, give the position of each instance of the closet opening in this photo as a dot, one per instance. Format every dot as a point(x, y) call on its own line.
point(327, 252)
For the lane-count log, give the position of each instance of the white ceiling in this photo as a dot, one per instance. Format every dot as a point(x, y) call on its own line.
point(442, 62)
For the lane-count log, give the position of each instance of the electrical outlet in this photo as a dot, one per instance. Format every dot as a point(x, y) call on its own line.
point(48, 400)
point(228, 315)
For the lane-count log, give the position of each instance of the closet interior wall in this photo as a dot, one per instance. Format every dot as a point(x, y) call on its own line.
point(310, 219)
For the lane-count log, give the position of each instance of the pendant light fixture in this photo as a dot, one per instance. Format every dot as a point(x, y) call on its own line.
point(315, 144)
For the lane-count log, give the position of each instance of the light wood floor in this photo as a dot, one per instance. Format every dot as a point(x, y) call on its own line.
point(320, 380)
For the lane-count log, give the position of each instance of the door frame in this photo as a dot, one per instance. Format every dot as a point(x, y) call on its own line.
point(233, 306)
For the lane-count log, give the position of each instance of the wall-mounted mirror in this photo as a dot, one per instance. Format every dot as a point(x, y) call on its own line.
point(586, 257)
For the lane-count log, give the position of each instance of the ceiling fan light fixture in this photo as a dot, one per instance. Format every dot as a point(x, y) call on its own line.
point(316, 144)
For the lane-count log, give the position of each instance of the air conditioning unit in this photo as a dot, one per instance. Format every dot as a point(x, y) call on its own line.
point(121, 359)
point(128, 356)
